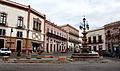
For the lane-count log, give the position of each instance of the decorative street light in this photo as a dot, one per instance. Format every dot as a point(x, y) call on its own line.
point(83, 27)
point(11, 36)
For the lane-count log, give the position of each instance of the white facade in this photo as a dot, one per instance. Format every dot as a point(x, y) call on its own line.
point(29, 35)
point(96, 39)
point(55, 38)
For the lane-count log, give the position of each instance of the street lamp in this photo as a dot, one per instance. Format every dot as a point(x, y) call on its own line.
point(84, 26)
point(10, 36)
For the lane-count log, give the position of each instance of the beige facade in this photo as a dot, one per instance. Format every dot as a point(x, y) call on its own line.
point(21, 27)
point(96, 39)
point(55, 38)
point(72, 36)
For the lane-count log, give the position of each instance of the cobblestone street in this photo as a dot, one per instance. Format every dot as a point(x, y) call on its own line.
point(107, 64)
point(75, 66)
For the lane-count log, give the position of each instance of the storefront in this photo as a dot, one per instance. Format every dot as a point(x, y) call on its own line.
point(115, 47)
point(37, 46)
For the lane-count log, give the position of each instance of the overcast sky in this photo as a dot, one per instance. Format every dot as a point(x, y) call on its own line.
point(97, 12)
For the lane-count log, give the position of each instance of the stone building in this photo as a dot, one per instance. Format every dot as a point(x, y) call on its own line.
point(112, 33)
point(21, 27)
point(96, 39)
point(55, 38)
point(72, 36)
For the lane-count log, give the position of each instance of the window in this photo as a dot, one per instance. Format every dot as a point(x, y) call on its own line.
point(47, 29)
point(57, 33)
point(90, 48)
point(47, 47)
point(94, 39)
point(19, 34)
point(94, 48)
point(89, 40)
point(2, 32)
point(20, 22)
point(50, 47)
point(54, 47)
point(100, 38)
point(36, 24)
point(54, 32)
point(51, 40)
point(3, 18)
point(51, 31)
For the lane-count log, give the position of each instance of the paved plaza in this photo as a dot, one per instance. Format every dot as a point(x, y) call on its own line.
point(108, 64)
point(75, 66)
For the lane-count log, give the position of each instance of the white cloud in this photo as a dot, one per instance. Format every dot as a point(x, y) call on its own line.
point(97, 12)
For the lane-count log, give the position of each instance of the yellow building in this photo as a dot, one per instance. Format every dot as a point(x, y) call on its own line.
point(72, 36)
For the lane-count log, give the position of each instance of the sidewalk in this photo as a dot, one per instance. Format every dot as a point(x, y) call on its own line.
point(112, 58)
point(32, 60)
point(46, 59)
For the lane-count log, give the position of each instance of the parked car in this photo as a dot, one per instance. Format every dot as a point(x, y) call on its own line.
point(107, 54)
point(64, 51)
point(5, 52)
point(93, 52)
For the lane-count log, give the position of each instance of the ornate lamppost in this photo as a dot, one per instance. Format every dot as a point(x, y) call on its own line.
point(84, 26)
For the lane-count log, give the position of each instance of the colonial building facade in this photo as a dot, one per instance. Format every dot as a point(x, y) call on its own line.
point(96, 39)
point(72, 36)
point(21, 27)
point(112, 33)
point(55, 38)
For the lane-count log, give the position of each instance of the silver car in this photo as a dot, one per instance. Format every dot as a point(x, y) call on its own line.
point(5, 51)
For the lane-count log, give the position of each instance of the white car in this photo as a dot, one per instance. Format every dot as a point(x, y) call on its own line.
point(93, 52)
point(5, 51)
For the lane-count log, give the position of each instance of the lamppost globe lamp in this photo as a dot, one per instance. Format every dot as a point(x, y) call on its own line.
point(83, 27)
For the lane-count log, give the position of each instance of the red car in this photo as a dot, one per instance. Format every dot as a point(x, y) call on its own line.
point(64, 51)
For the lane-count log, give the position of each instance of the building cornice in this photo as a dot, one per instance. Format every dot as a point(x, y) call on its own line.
point(50, 23)
point(96, 30)
point(69, 26)
point(22, 7)
point(113, 24)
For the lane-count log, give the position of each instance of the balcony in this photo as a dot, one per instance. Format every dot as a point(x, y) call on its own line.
point(77, 35)
point(100, 41)
point(38, 30)
point(74, 41)
point(96, 42)
point(56, 36)
point(3, 24)
point(19, 27)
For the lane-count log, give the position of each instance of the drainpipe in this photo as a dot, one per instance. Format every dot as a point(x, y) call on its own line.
point(44, 31)
point(11, 36)
point(28, 24)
